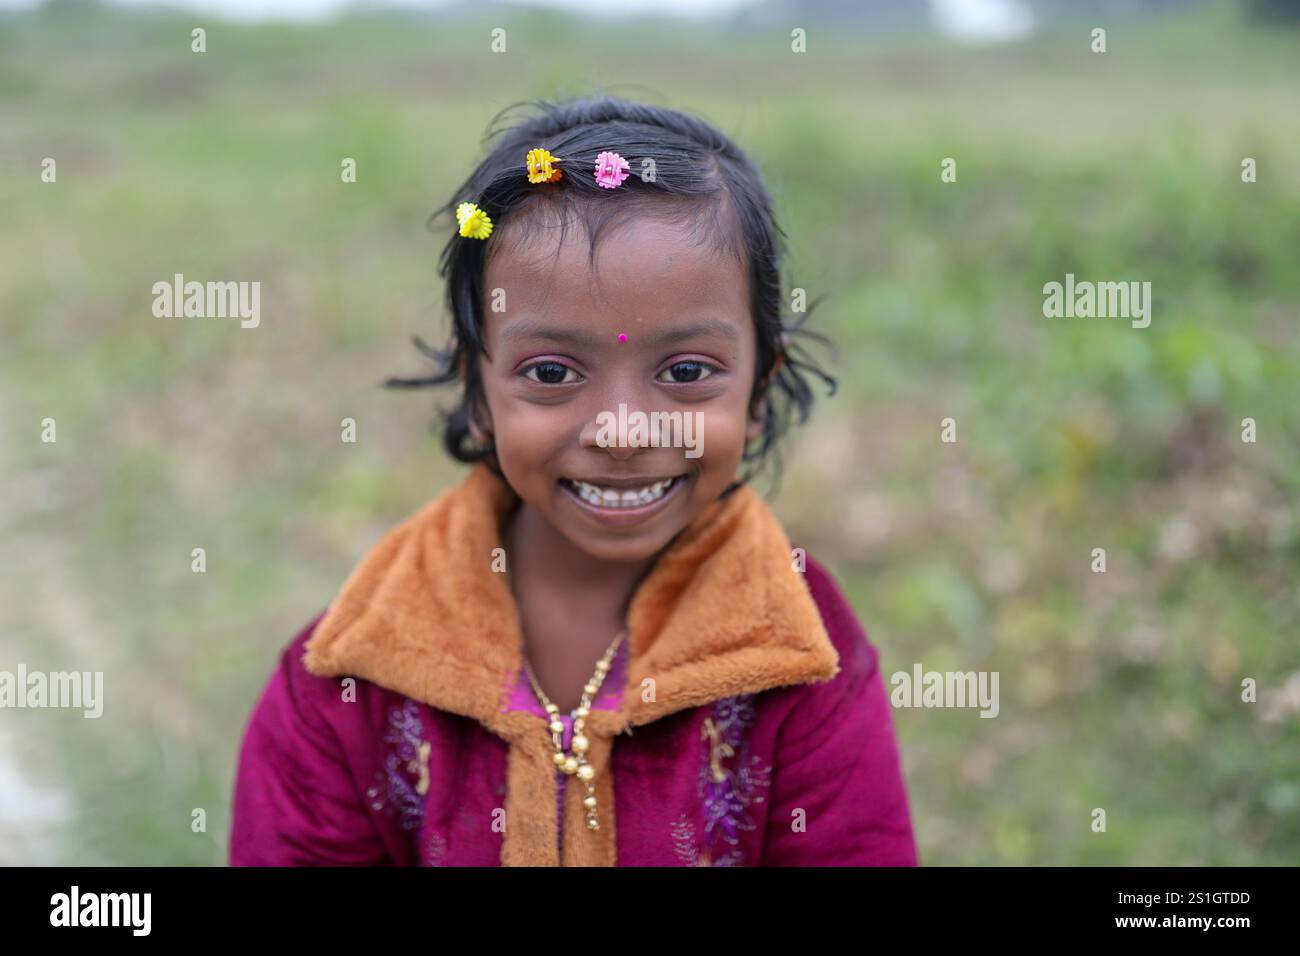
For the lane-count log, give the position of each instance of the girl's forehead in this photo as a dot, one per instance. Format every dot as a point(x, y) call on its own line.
point(639, 264)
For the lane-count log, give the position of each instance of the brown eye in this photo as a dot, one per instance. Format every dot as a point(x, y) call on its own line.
point(550, 373)
point(683, 373)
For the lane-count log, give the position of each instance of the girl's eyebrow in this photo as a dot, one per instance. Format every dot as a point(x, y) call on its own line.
point(530, 329)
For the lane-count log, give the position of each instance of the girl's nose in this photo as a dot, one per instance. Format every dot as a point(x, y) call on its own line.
point(608, 430)
point(620, 453)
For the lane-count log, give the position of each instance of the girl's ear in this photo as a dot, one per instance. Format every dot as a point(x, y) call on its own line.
point(482, 434)
point(757, 419)
point(758, 411)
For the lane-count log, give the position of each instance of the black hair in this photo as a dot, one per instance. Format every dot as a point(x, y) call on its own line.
point(681, 167)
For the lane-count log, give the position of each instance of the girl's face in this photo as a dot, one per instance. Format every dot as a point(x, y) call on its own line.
point(661, 325)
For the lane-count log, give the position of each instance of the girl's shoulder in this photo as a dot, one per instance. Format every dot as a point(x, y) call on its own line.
point(332, 711)
point(858, 656)
point(804, 708)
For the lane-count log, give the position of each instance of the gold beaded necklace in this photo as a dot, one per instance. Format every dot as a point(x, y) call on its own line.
point(575, 763)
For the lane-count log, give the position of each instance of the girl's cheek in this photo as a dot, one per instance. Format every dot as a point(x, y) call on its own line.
point(719, 436)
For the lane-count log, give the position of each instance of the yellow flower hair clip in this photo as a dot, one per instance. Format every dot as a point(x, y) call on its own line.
point(474, 222)
point(542, 166)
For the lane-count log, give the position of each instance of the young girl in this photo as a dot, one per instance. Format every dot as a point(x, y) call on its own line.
point(599, 648)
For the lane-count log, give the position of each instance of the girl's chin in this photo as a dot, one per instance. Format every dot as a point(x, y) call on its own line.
point(638, 551)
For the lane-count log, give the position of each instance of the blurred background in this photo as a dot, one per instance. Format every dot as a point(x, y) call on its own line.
point(1119, 690)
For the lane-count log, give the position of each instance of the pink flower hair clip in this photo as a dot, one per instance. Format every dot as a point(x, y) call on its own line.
point(611, 170)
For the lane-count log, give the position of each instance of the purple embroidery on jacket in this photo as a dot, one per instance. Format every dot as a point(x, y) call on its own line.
point(731, 781)
point(404, 779)
point(435, 849)
point(684, 842)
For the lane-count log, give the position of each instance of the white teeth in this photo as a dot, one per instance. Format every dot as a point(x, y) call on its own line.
point(611, 498)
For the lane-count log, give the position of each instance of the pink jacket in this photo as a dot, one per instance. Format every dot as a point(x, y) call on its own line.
point(745, 721)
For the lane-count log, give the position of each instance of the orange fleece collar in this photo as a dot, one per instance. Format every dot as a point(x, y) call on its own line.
point(722, 612)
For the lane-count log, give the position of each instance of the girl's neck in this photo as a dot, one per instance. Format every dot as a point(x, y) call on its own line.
point(541, 557)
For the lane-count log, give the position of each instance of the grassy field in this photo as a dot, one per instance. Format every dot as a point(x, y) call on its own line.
point(1119, 690)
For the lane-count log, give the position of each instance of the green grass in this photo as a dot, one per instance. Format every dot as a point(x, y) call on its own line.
point(1119, 691)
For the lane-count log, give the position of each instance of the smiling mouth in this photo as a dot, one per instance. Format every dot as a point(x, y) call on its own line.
point(622, 497)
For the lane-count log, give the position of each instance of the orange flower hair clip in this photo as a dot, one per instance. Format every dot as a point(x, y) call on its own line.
point(542, 166)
